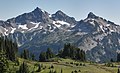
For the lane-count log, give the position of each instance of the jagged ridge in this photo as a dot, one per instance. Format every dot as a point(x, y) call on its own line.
point(39, 30)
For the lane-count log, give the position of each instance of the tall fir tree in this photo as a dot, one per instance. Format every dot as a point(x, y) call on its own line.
point(32, 56)
point(42, 57)
point(49, 53)
point(23, 68)
point(118, 57)
point(25, 54)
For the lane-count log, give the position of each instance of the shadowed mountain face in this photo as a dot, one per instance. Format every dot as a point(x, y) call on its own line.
point(38, 30)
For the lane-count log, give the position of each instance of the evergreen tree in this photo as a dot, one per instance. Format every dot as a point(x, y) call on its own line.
point(3, 63)
point(42, 57)
point(82, 55)
point(17, 62)
point(49, 53)
point(118, 71)
point(66, 50)
point(8, 51)
point(60, 53)
point(32, 56)
point(39, 68)
point(26, 54)
point(72, 52)
point(50, 71)
point(23, 68)
point(9, 47)
point(78, 55)
point(61, 71)
point(111, 60)
point(118, 57)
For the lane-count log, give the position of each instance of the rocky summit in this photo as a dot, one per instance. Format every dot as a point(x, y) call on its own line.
point(38, 30)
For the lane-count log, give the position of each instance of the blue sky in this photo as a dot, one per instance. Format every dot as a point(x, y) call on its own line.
point(109, 9)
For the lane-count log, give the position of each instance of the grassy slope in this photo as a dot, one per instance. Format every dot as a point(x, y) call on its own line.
point(67, 68)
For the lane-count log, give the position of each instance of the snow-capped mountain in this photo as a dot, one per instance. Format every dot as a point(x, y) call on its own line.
point(38, 30)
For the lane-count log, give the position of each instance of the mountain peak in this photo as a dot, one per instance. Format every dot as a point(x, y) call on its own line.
point(59, 12)
point(59, 15)
point(38, 10)
point(92, 15)
point(37, 15)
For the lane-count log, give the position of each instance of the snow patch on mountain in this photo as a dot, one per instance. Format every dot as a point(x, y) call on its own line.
point(60, 23)
point(36, 25)
point(22, 26)
point(92, 22)
point(119, 41)
point(118, 51)
point(42, 10)
point(102, 28)
point(63, 23)
point(50, 15)
point(6, 30)
point(13, 29)
point(107, 25)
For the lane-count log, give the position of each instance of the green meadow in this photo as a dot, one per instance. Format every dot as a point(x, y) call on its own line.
point(65, 66)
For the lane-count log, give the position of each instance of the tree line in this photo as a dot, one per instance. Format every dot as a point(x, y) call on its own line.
point(9, 47)
point(69, 51)
point(73, 52)
point(8, 51)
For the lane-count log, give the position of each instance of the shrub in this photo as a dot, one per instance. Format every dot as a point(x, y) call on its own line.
point(17, 63)
point(49, 67)
point(52, 66)
point(84, 65)
point(80, 64)
point(72, 72)
point(71, 62)
point(50, 71)
point(55, 71)
point(77, 64)
point(75, 71)
point(67, 62)
point(61, 71)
